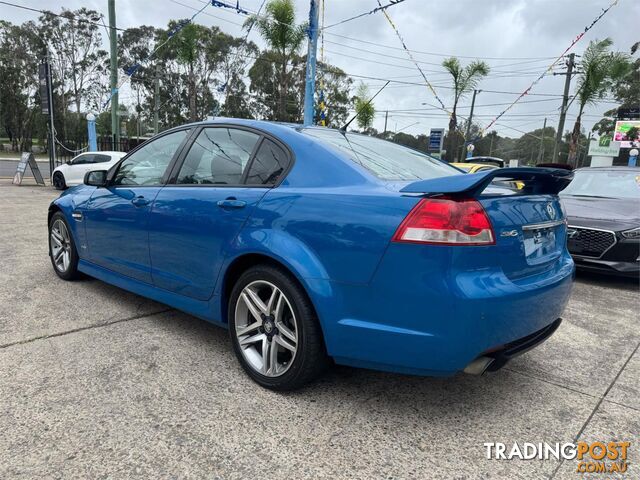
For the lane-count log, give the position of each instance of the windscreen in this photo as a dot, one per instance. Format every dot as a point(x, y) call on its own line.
point(386, 160)
point(604, 183)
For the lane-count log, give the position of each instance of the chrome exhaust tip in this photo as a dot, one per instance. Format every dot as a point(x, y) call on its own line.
point(478, 366)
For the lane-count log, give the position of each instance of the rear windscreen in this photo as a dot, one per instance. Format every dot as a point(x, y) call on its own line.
point(386, 160)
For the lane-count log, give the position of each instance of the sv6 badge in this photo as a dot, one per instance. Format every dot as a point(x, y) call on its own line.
point(509, 233)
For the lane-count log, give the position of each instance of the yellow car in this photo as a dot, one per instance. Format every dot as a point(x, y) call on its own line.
point(474, 167)
point(481, 167)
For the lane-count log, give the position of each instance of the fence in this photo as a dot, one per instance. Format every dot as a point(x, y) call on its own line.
point(68, 149)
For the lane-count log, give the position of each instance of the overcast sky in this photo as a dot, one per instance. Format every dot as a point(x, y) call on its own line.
point(517, 38)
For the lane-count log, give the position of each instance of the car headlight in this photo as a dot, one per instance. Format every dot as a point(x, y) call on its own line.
point(633, 233)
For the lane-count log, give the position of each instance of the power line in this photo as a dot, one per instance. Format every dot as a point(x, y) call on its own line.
point(437, 54)
point(573, 42)
point(66, 16)
point(380, 8)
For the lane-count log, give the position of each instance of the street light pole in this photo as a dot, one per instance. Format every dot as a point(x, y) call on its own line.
point(113, 46)
point(310, 79)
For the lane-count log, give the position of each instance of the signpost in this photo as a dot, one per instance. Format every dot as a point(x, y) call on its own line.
point(603, 151)
point(436, 137)
point(27, 159)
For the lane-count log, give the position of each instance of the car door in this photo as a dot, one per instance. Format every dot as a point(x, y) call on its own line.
point(116, 216)
point(78, 167)
point(213, 191)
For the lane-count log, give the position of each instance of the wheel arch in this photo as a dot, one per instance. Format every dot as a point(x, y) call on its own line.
point(243, 262)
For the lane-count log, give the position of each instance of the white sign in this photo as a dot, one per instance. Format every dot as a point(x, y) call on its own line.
point(611, 150)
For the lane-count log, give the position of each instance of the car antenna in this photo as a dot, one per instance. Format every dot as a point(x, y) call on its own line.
point(344, 127)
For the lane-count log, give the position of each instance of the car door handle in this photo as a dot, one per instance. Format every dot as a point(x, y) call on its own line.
point(140, 201)
point(231, 203)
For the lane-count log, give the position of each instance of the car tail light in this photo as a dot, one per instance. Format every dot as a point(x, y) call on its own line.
point(446, 221)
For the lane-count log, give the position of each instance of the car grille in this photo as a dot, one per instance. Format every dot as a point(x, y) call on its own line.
point(588, 242)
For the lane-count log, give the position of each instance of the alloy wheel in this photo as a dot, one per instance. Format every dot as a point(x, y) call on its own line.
point(60, 245)
point(266, 328)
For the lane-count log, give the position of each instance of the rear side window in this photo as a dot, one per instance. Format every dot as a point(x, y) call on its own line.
point(268, 165)
point(386, 160)
point(101, 158)
point(218, 156)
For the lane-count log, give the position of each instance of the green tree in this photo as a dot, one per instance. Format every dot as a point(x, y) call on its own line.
point(335, 85)
point(626, 91)
point(600, 69)
point(19, 96)
point(365, 111)
point(284, 38)
point(78, 62)
point(465, 79)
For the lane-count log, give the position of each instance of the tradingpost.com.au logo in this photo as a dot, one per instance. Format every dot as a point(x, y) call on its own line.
point(592, 457)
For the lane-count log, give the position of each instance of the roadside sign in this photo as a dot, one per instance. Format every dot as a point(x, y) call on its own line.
point(43, 80)
point(604, 148)
point(27, 158)
point(436, 136)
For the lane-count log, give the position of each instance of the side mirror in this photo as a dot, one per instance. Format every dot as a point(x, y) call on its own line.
point(96, 178)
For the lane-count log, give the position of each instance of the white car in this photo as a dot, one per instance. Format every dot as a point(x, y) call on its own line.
point(72, 172)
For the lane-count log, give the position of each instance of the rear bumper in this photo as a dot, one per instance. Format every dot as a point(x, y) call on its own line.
point(497, 358)
point(434, 322)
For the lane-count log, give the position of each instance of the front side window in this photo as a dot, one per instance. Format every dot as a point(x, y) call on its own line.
point(147, 165)
point(386, 160)
point(83, 159)
point(218, 156)
point(268, 165)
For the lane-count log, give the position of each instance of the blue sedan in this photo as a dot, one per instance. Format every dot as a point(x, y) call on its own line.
point(314, 245)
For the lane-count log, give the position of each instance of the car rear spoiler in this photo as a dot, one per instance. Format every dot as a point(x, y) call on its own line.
point(537, 181)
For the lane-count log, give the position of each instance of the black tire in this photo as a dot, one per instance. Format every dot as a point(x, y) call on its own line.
point(310, 359)
point(69, 269)
point(58, 181)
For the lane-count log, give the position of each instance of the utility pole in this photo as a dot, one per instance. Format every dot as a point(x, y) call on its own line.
point(310, 79)
point(386, 117)
point(473, 103)
point(491, 146)
point(563, 109)
point(156, 99)
point(113, 44)
point(541, 152)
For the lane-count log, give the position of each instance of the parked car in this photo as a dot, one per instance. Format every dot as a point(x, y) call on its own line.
point(72, 173)
point(603, 210)
point(485, 160)
point(312, 243)
point(474, 167)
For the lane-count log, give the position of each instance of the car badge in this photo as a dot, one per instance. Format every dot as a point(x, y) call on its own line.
point(551, 211)
point(509, 233)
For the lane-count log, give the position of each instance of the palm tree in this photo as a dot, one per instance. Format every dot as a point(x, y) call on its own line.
point(465, 79)
point(599, 68)
point(277, 27)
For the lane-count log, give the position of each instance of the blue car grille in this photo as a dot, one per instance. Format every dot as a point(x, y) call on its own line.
point(588, 242)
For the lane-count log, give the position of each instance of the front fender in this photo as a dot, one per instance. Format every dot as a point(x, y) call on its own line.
point(69, 201)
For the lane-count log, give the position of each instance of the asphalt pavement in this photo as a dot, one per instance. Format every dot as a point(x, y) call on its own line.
point(96, 382)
